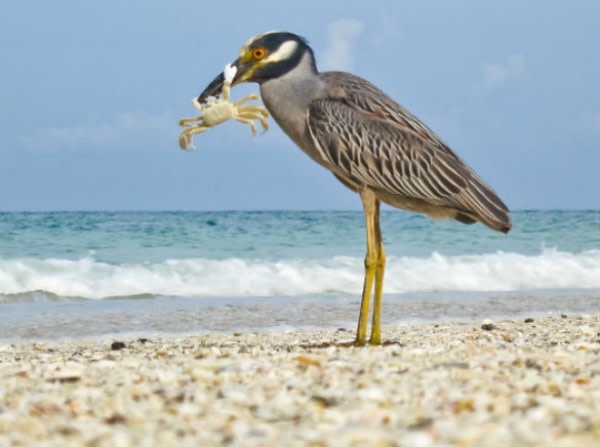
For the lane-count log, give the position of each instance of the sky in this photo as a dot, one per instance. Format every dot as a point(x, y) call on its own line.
point(91, 94)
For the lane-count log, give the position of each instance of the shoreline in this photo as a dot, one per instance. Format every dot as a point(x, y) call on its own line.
point(180, 316)
point(503, 383)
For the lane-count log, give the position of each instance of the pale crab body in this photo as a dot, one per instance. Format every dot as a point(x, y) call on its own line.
point(219, 110)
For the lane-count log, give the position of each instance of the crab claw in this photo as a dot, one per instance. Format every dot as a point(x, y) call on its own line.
point(229, 72)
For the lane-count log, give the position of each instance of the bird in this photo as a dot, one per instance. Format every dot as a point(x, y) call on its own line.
point(369, 142)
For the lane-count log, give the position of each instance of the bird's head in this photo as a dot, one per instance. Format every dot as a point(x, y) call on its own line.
point(264, 57)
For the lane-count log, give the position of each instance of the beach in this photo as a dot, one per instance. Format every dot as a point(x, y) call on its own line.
point(525, 381)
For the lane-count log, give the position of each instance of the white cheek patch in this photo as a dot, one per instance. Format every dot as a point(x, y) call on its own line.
point(285, 51)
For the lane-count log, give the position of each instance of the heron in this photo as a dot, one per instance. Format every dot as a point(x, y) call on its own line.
point(369, 142)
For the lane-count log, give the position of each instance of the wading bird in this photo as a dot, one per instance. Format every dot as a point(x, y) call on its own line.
point(369, 142)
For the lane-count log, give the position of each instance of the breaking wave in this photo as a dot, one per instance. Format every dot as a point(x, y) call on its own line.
point(87, 278)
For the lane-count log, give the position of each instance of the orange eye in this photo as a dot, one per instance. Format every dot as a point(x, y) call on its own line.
point(259, 52)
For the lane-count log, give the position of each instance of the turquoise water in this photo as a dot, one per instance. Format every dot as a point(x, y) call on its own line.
point(117, 237)
point(211, 260)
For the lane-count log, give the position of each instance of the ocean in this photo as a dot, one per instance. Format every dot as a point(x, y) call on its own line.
point(90, 274)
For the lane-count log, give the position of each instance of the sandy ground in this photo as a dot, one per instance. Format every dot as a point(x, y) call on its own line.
point(506, 383)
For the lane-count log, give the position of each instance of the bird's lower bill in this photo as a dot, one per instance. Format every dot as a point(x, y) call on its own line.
point(213, 89)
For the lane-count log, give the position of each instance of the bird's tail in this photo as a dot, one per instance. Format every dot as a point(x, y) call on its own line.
point(484, 205)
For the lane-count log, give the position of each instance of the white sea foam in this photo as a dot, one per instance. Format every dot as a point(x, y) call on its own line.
point(89, 278)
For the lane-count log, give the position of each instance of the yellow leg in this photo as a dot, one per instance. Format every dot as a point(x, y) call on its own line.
point(371, 207)
point(379, 273)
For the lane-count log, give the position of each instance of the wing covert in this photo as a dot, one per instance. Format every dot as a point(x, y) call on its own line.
point(368, 140)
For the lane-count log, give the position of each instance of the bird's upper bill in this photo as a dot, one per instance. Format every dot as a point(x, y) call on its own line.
point(240, 70)
point(235, 73)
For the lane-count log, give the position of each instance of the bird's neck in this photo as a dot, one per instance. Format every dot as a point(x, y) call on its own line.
point(287, 98)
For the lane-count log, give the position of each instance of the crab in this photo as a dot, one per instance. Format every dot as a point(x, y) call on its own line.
point(219, 110)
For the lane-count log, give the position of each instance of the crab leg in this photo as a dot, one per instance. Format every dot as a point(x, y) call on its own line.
point(264, 122)
point(255, 109)
point(253, 116)
point(185, 139)
point(248, 121)
point(246, 99)
point(226, 90)
point(188, 121)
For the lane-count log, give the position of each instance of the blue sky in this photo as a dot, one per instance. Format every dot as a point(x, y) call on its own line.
point(91, 94)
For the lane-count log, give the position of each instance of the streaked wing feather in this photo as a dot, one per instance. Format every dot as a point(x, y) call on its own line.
point(387, 148)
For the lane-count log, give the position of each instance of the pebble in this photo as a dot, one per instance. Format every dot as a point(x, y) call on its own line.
point(432, 385)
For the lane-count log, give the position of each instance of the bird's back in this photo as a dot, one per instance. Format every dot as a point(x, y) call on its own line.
point(368, 140)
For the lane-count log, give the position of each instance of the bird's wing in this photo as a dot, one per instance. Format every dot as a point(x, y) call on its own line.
point(368, 139)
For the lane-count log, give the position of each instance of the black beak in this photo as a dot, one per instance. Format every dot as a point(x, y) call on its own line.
point(214, 88)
